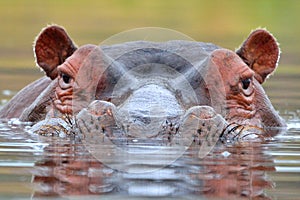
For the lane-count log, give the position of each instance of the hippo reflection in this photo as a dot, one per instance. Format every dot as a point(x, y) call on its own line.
point(150, 89)
point(242, 175)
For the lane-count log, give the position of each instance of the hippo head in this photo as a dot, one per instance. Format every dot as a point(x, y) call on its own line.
point(224, 83)
point(242, 73)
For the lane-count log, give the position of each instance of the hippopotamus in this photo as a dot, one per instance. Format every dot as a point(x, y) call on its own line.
point(148, 89)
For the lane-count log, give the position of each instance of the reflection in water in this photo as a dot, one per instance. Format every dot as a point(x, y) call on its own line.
point(67, 169)
point(243, 174)
point(230, 171)
point(38, 166)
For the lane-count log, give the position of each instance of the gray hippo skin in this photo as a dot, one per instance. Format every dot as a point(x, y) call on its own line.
point(150, 89)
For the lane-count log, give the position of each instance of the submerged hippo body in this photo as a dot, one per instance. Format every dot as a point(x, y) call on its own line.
point(150, 88)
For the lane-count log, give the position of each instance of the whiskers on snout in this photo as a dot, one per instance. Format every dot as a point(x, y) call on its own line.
point(59, 126)
point(236, 132)
point(89, 124)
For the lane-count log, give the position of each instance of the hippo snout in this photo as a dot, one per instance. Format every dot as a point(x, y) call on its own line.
point(142, 114)
point(152, 111)
point(147, 108)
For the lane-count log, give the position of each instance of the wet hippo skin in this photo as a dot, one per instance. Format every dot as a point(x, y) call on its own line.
point(151, 84)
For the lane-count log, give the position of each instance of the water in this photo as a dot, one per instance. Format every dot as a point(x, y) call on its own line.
point(40, 167)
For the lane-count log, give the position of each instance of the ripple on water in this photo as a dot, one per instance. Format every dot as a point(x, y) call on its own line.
point(51, 166)
point(8, 92)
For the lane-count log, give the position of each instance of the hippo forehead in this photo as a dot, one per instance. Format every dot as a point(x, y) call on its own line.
point(189, 50)
point(174, 65)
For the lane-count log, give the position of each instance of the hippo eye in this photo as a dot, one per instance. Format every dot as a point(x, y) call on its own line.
point(246, 83)
point(66, 78)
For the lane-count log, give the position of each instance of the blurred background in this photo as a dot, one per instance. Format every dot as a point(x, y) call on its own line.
point(225, 23)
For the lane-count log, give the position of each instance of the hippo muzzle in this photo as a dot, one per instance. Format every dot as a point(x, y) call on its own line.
point(147, 109)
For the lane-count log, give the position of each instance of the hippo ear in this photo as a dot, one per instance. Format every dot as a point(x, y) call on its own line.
point(51, 48)
point(260, 52)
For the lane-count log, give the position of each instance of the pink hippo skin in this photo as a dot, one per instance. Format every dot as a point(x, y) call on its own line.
point(81, 83)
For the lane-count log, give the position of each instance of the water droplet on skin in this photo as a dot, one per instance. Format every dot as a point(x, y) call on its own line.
point(226, 154)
